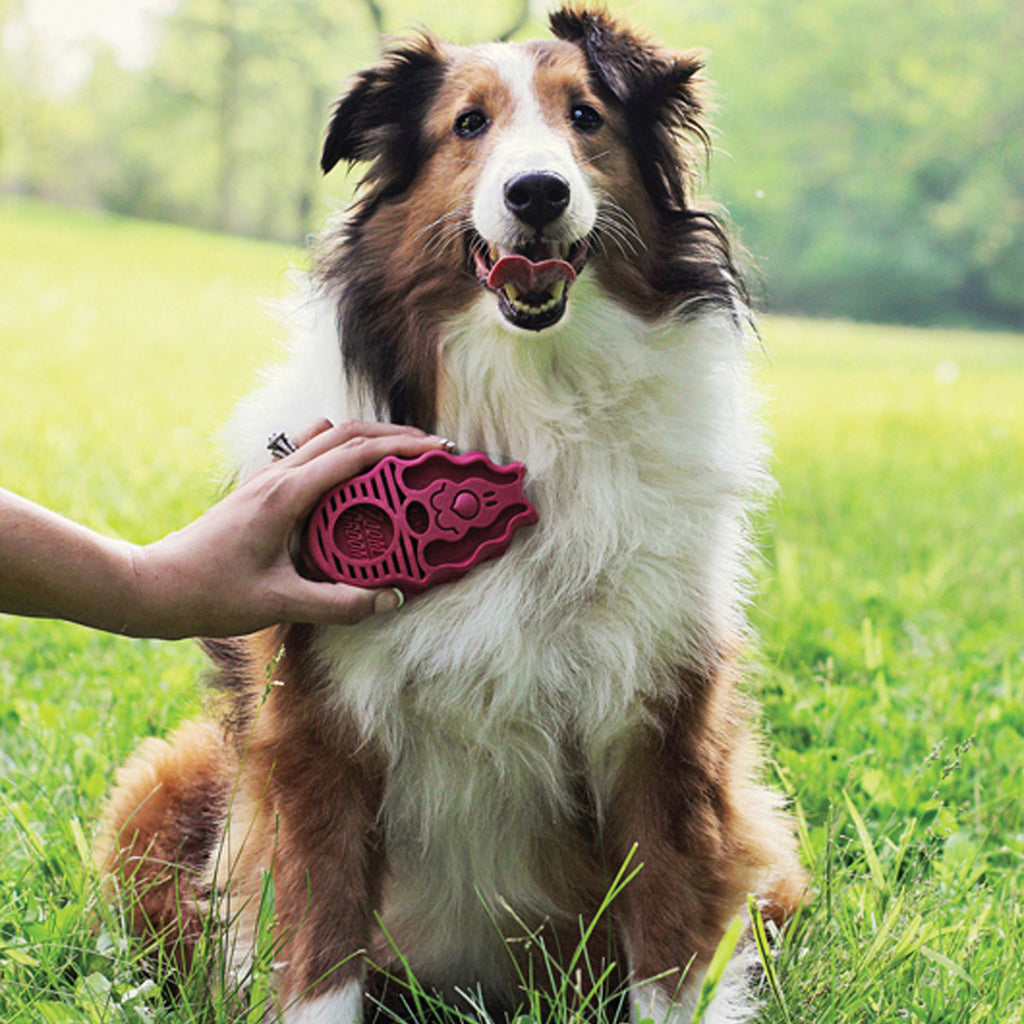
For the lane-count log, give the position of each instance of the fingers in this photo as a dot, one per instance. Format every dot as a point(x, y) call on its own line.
point(291, 486)
point(307, 433)
point(322, 437)
point(353, 457)
point(342, 452)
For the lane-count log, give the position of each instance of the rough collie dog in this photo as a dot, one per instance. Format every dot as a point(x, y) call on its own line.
point(453, 787)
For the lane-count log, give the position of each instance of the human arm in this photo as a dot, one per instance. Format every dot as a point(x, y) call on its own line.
point(227, 573)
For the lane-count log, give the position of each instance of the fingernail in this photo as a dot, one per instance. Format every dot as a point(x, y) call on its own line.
point(388, 601)
point(448, 446)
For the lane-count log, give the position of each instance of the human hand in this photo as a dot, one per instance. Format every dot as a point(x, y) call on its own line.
point(230, 571)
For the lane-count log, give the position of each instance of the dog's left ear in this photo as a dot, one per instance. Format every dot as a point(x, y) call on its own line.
point(657, 88)
point(379, 116)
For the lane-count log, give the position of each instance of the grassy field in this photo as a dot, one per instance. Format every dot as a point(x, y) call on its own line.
point(891, 615)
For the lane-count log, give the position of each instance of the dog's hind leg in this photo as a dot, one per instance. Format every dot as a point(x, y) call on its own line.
point(162, 824)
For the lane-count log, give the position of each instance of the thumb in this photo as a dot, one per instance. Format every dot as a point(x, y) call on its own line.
point(341, 604)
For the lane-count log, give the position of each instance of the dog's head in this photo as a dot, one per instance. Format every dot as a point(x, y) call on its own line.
point(523, 155)
point(500, 173)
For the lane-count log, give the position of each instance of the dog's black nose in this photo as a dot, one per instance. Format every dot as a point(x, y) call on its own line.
point(537, 197)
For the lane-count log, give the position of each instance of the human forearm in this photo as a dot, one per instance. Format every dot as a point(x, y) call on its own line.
point(52, 567)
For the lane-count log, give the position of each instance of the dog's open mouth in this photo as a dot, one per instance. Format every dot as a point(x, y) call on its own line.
point(532, 282)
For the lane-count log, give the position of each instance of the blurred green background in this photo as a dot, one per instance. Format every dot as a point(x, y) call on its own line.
point(870, 153)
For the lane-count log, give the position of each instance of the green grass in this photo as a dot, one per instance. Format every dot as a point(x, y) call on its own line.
point(891, 614)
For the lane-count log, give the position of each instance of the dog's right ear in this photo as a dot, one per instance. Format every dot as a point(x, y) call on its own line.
point(379, 118)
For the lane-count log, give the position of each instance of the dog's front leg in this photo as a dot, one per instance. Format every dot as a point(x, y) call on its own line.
point(328, 869)
point(326, 897)
point(675, 803)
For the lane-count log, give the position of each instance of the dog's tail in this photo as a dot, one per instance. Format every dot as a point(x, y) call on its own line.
point(161, 827)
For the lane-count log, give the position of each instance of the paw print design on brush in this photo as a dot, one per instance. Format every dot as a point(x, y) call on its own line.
point(414, 523)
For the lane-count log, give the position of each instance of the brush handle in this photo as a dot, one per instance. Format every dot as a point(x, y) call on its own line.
point(414, 523)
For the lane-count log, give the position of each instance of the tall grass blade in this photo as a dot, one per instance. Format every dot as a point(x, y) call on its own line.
point(719, 962)
point(16, 956)
point(946, 964)
point(18, 813)
point(764, 953)
point(263, 954)
point(870, 854)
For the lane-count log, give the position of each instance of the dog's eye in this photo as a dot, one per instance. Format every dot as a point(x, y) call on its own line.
point(471, 124)
point(584, 118)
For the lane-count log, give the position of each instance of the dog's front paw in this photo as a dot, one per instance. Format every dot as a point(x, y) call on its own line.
point(662, 1003)
point(342, 1005)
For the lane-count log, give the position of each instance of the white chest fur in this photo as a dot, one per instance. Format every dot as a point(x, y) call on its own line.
point(643, 460)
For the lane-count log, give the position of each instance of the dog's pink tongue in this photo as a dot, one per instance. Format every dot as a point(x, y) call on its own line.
point(528, 277)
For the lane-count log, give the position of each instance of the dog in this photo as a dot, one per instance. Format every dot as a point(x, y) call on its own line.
point(452, 789)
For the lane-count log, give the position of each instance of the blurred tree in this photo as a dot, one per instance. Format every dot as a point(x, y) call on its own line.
point(877, 154)
point(237, 97)
point(376, 13)
point(521, 18)
point(229, 86)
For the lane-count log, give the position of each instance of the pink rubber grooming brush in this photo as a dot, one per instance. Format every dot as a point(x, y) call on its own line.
point(414, 523)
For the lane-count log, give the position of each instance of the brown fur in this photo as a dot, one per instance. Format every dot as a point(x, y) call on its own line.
point(392, 310)
point(705, 836)
point(307, 802)
point(161, 825)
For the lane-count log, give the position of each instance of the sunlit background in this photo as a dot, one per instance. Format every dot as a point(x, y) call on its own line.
point(871, 154)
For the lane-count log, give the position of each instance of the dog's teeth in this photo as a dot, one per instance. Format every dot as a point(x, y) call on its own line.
point(554, 297)
point(551, 301)
point(493, 253)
